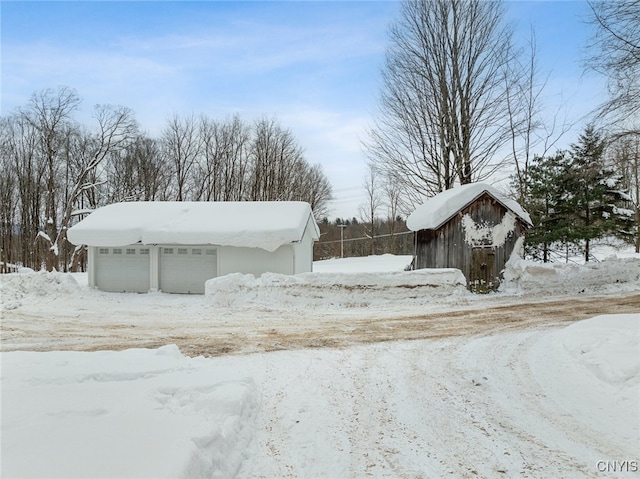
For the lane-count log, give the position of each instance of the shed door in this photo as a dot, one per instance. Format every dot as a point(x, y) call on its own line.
point(483, 270)
point(123, 269)
point(185, 269)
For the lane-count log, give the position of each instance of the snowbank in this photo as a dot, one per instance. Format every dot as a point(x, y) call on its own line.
point(15, 287)
point(608, 346)
point(612, 274)
point(342, 283)
point(136, 413)
point(342, 290)
point(591, 369)
point(413, 288)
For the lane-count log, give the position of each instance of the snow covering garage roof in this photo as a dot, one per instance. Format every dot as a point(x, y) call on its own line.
point(254, 224)
point(439, 209)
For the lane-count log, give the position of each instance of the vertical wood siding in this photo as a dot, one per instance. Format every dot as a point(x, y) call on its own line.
point(447, 248)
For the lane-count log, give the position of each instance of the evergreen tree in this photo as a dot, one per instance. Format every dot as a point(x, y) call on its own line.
point(575, 197)
point(547, 205)
point(593, 194)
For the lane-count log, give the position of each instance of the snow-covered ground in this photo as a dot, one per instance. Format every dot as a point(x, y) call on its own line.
point(554, 400)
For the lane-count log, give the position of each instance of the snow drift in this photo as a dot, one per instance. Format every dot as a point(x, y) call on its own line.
point(342, 290)
point(612, 274)
point(134, 413)
point(15, 287)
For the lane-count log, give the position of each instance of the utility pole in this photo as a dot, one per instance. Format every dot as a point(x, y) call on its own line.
point(342, 227)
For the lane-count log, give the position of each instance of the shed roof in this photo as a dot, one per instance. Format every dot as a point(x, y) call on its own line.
point(254, 224)
point(439, 209)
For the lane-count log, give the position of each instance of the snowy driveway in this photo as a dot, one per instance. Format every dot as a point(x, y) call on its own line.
point(508, 404)
point(447, 408)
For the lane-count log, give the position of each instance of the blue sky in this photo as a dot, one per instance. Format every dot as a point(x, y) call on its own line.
point(315, 66)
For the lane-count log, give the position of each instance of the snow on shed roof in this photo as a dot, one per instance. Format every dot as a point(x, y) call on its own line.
point(254, 224)
point(439, 209)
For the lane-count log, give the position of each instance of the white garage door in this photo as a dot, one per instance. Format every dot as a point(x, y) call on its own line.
point(123, 269)
point(185, 269)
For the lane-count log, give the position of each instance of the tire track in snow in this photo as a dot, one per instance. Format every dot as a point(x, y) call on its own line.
point(516, 404)
point(455, 407)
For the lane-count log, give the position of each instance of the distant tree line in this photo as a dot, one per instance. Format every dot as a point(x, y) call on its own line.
point(55, 170)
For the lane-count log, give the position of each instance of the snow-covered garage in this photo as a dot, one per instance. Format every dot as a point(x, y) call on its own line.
point(176, 246)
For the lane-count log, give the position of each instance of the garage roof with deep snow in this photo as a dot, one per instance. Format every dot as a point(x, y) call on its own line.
point(254, 224)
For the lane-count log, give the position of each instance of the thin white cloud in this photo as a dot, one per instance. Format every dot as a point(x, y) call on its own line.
point(256, 48)
point(104, 76)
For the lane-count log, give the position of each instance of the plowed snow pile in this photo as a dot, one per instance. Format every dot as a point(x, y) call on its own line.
point(528, 276)
point(14, 288)
point(389, 290)
point(343, 290)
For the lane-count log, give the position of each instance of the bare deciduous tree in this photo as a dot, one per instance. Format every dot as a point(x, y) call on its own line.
point(392, 200)
point(315, 189)
point(276, 159)
point(116, 128)
point(182, 144)
point(615, 52)
point(50, 112)
point(21, 150)
point(369, 210)
point(221, 171)
point(443, 106)
point(8, 199)
point(137, 172)
point(529, 133)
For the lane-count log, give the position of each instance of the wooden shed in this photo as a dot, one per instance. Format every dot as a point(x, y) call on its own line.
point(473, 228)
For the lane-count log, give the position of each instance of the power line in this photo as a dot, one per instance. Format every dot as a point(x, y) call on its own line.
point(348, 198)
point(349, 188)
point(365, 237)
